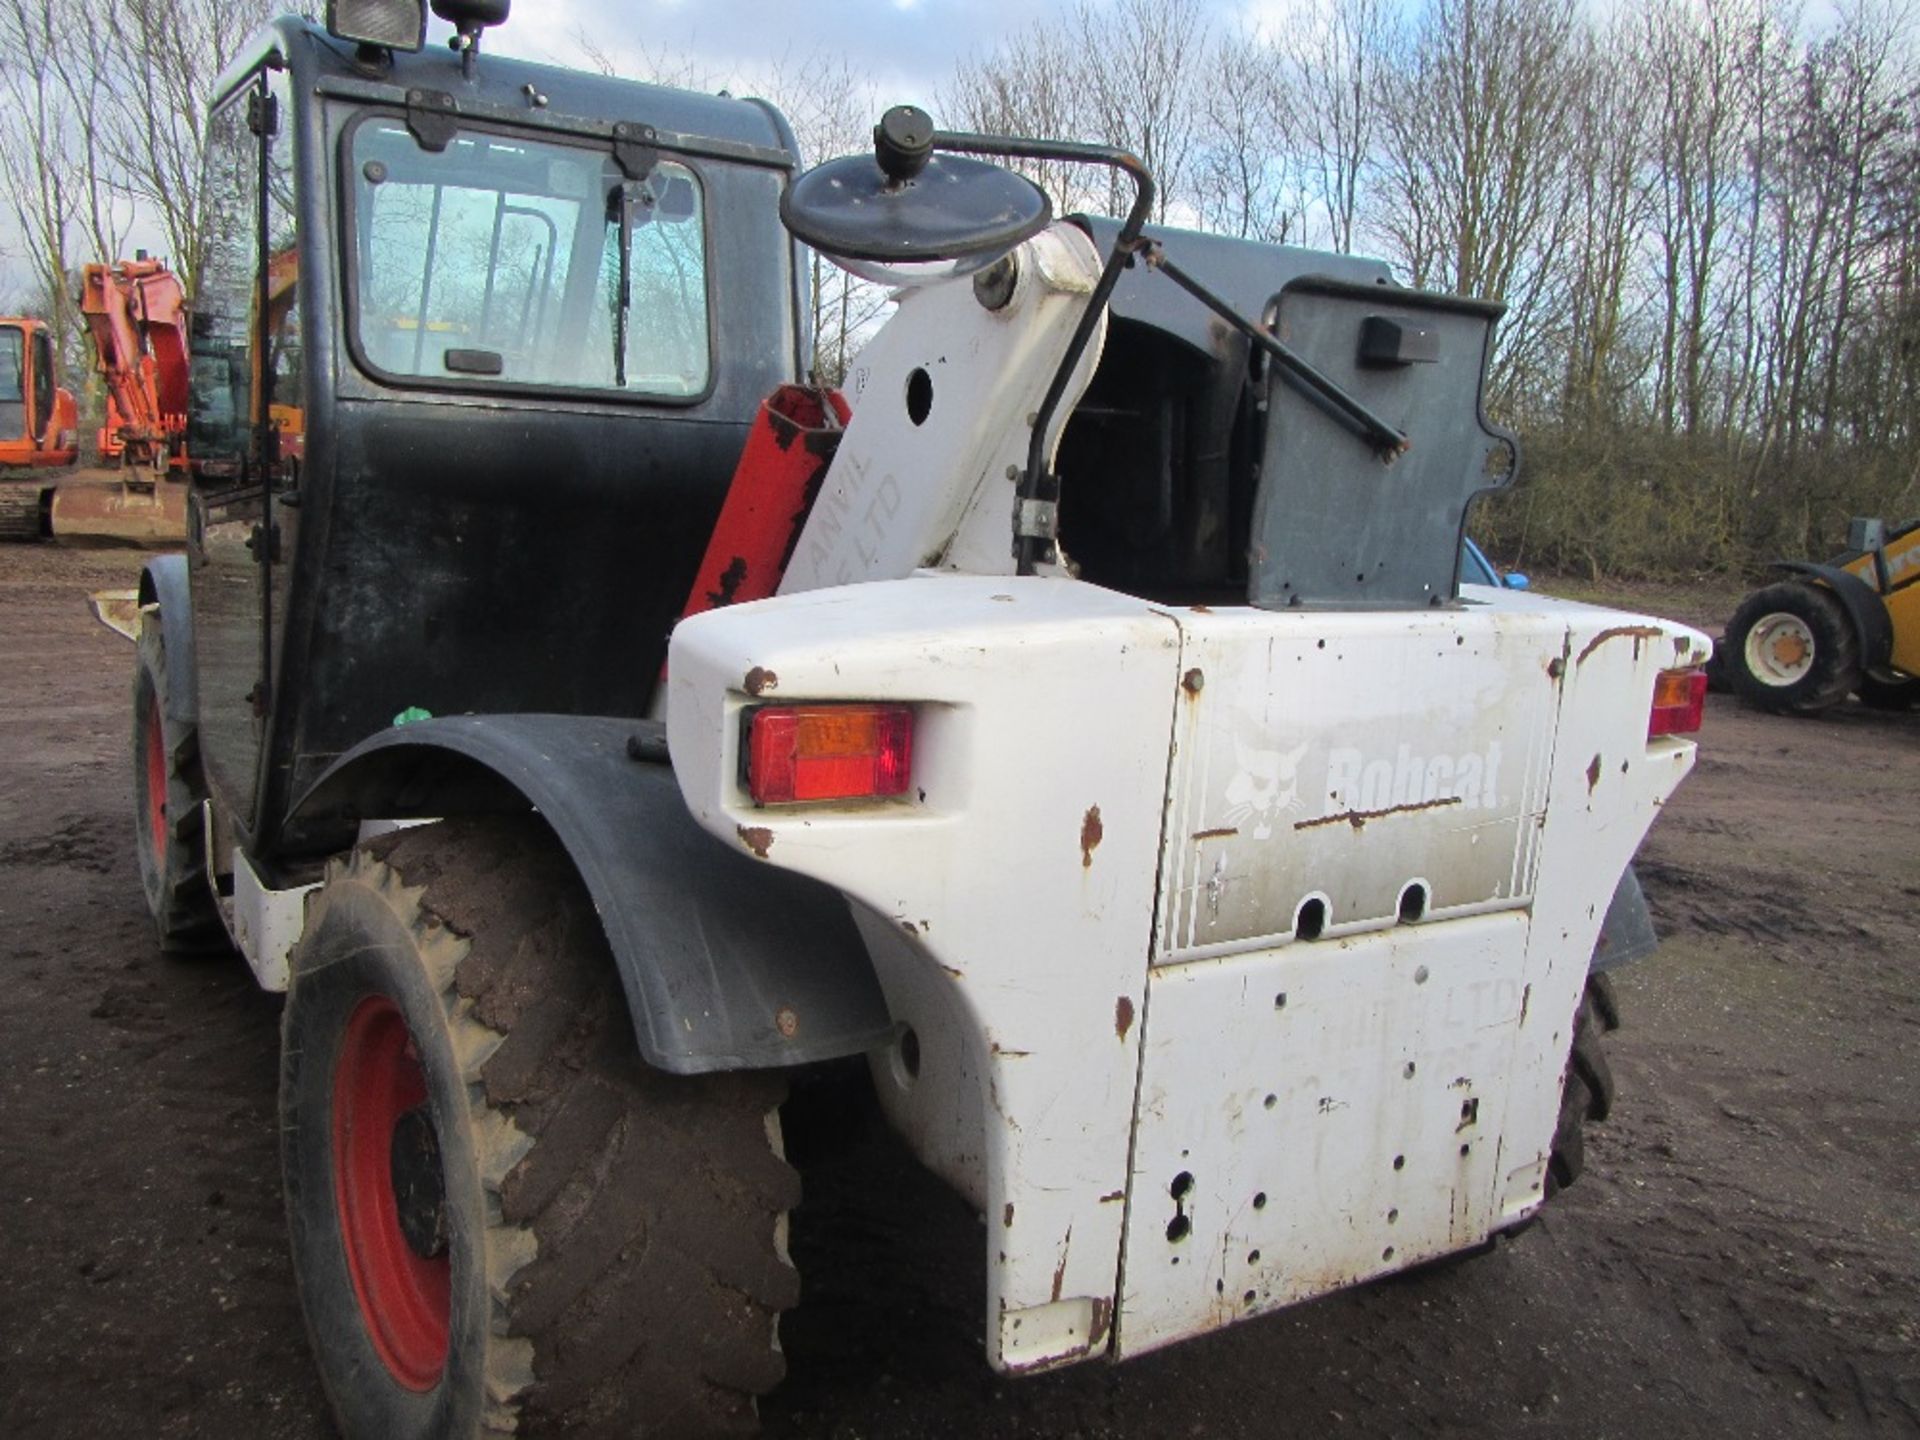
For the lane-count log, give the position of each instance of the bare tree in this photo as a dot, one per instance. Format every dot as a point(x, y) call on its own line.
point(1334, 60)
point(160, 59)
point(53, 172)
point(1610, 201)
point(1475, 137)
point(1033, 84)
point(832, 111)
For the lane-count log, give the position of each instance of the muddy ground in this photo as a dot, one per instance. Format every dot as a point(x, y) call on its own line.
point(1742, 1258)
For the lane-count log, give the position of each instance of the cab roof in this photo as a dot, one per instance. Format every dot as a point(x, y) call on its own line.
point(501, 83)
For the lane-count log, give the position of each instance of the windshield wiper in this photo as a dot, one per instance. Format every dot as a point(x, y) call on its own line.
point(621, 202)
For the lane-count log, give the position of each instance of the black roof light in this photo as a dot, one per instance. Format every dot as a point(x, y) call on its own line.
point(388, 24)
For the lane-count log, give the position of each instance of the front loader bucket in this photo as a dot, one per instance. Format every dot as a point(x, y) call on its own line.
point(102, 509)
point(118, 610)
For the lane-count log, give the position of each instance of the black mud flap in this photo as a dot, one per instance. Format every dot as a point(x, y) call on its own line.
point(727, 962)
point(1626, 934)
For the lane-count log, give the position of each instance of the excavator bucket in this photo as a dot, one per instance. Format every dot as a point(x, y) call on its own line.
point(100, 508)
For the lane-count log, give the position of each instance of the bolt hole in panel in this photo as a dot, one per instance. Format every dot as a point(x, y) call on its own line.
point(1391, 1054)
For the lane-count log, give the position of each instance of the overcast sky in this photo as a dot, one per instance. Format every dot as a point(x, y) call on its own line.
point(906, 47)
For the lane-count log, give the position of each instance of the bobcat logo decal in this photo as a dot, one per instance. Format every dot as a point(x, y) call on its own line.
point(1264, 787)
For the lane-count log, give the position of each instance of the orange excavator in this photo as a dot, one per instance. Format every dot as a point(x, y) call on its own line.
point(135, 313)
point(39, 423)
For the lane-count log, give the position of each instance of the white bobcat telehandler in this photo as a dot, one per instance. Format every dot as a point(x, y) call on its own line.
point(1111, 755)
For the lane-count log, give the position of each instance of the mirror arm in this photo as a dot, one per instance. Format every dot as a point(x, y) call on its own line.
point(1035, 522)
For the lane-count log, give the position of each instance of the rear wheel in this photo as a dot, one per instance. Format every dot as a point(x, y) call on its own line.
point(1587, 1093)
point(502, 1219)
point(167, 790)
point(1791, 649)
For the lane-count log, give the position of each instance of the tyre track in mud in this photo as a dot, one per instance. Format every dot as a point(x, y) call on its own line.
point(1742, 1256)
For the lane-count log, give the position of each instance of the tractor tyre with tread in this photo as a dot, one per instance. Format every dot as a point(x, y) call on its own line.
point(1791, 649)
point(1587, 1093)
point(168, 787)
point(591, 1246)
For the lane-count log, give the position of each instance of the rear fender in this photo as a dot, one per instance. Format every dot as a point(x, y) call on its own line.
point(727, 964)
point(1865, 608)
point(163, 582)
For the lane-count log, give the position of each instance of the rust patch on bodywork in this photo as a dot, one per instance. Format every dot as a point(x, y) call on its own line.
point(1091, 834)
point(1221, 834)
point(1122, 1016)
point(1112, 1195)
point(757, 838)
point(1193, 682)
point(1006, 1216)
point(760, 680)
point(1526, 999)
point(1060, 1270)
point(1102, 1321)
point(1593, 774)
point(1359, 818)
point(786, 1022)
point(1617, 632)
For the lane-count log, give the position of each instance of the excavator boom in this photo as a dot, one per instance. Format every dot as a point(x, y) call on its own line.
point(136, 314)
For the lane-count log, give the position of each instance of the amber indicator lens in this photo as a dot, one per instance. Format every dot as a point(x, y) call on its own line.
point(1679, 702)
point(798, 753)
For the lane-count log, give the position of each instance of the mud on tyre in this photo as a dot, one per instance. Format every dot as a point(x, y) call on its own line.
point(167, 790)
point(502, 1220)
point(1587, 1093)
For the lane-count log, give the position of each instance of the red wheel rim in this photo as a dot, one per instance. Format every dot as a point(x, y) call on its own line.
point(156, 783)
point(404, 1297)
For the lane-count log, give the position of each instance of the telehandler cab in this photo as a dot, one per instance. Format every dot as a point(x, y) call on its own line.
point(1086, 726)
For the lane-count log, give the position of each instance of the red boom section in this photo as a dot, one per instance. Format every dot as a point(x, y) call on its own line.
point(136, 314)
point(781, 467)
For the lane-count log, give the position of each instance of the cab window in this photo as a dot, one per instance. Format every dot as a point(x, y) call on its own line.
point(497, 261)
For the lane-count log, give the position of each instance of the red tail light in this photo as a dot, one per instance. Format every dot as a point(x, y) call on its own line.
point(1679, 702)
point(828, 752)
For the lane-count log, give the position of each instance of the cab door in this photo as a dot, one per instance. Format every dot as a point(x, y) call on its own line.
point(244, 348)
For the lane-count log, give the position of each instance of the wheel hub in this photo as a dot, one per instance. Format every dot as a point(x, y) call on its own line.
point(1779, 649)
point(390, 1193)
point(419, 1185)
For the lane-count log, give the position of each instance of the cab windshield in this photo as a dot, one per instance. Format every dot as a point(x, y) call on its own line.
point(13, 390)
point(498, 261)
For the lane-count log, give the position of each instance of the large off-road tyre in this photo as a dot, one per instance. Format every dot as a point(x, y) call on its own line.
point(1791, 649)
point(168, 787)
point(1587, 1092)
point(503, 1221)
point(1890, 691)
